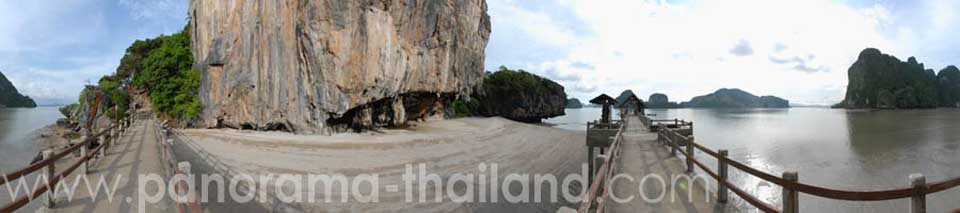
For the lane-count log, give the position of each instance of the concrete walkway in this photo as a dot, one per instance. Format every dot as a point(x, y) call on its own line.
point(642, 156)
point(136, 153)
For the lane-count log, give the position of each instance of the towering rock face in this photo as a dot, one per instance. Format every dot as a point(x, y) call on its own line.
point(878, 80)
point(949, 81)
point(305, 65)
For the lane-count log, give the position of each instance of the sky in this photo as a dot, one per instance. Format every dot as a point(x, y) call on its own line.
point(50, 48)
point(798, 50)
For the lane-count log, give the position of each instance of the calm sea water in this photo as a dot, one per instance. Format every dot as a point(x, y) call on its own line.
point(841, 149)
point(17, 129)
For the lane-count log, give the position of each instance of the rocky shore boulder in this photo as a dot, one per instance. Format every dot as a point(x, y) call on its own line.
point(309, 66)
point(10, 97)
point(736, 98)
point(521, 96)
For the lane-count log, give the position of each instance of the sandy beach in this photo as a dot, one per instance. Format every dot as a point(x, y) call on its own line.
point(445, 147)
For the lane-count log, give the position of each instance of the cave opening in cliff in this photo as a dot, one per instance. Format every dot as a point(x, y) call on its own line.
point(393, 112)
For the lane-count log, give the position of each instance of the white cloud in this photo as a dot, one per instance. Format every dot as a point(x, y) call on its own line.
point(684, 50)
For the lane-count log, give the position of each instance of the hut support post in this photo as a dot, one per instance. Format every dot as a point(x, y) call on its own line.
point(690, 156)
point(590, 165)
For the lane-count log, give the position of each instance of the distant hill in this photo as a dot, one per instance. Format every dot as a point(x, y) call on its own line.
point(10, 97)
point(736, 98)
point(878, 80)
point(574, 103)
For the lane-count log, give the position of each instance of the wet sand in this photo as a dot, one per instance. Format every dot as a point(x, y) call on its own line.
point(445, 147)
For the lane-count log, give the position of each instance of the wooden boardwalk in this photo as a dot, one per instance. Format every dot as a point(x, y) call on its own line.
point(136, 153)
point(642, 156)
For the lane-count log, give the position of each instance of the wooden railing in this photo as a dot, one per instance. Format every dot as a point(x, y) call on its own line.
point(174, 167)
point(49, 160)
point(789, 181)
point(597, 193)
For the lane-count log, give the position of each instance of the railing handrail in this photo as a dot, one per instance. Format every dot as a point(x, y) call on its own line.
point(12, 176)
point(598, 187)
point(52, 181)
point(849, 195)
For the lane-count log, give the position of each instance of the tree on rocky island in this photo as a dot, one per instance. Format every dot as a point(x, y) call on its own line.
point(521, 96)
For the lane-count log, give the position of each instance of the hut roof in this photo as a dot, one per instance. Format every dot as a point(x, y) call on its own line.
point(634, 100)
point(603, 99)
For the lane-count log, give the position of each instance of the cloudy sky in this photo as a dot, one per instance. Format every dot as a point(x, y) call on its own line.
point(50, 48)
point(799, 50)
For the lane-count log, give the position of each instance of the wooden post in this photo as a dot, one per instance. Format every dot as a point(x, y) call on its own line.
point(51, 171)
point(84, 166)
point(690, 157)
point(791, 199)
point(183, 167)
point(918, 203)
point(589, 166)
point(722, 170)
point(599, 162)
point(671, 143)
point(168, 149)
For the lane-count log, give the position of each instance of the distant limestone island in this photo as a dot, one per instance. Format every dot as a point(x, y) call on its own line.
point(881, 81)
point(723, 98)
point(10, 97)
point(574, 103)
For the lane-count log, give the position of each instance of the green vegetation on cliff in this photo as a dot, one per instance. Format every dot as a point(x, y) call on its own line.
point(516, 95)
point(164, 68)
point(878, 80)
point(10, 97)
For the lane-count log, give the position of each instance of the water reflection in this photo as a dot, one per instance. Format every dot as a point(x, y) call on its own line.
point(16, 128)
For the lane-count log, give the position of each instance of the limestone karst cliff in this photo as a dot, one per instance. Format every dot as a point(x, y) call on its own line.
point(521, 96)
point(878, 80)
point(10, 97)
point(307, 65)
